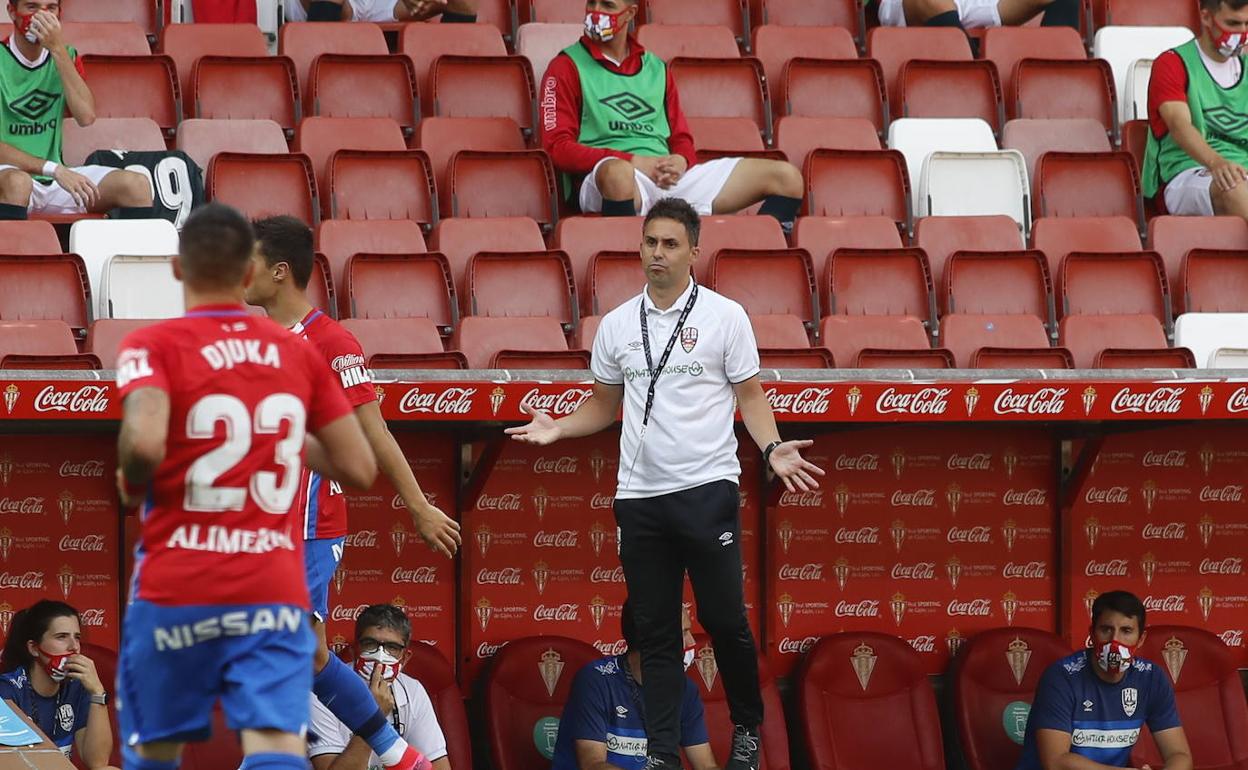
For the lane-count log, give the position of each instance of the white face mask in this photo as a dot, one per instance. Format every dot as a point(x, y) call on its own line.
point(689, 655)
point(367, 661)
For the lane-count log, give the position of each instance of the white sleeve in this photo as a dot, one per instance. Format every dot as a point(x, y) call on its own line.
point(604, 364)
point(423, 731)
point(740, 347)
point(332, 736)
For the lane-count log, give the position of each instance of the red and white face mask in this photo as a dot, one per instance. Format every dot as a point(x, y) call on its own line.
point(1115, 657)
point(21, 23)
point(54, 665)
point(367, 661)
point(603, 27)
point(1228, 43)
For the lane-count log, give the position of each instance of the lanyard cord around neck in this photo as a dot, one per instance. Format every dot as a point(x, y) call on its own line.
point(655, 372)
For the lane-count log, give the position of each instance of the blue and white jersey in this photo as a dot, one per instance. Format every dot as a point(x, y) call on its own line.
point(1103, 719)
point(605, 706)
point(60, 716)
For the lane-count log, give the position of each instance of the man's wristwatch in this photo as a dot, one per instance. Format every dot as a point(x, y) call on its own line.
point(100, 699)
point(767, 453)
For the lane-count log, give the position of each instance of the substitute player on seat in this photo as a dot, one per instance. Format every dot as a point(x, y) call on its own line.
point(217, 409)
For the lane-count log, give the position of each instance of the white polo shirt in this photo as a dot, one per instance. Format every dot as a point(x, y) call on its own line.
point(690, 440)
point(419, 725)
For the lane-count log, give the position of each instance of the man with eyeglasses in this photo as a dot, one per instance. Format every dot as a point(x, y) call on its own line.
point(382, 636)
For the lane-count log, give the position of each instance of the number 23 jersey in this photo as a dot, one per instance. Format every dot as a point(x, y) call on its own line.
point(218, 525)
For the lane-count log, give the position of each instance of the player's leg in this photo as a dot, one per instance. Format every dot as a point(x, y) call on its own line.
point(152, 756)
point(1233, 202)
point(16, 188)
point(931, 13)
point(776, 183)
point(1057, 13)
point(125, 190)
point(613, 189)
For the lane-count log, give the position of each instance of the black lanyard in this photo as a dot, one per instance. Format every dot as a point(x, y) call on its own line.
point(667, 352)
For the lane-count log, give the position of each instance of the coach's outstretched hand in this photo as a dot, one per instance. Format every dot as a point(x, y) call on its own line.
point(542, 430)
point(794, 470)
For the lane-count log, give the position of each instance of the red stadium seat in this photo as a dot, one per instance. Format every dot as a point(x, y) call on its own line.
point(775, 46)
point(1085, 336)
point(849, 682)
point(441, 138)
point(1135, 140)
point(693, 42)
point(1206, 684)
point(107, 38)
point(1007, 46)
point(847, 336)
point(546, 276)
point(583, 237)
point(320, 289)
point(892, 47)
point(857, 83)
point(1072, 88)
point(1057, 237)
point(187, 43)
point(940, 237)
point(341, 239)
point(614, 278)
point(240, 88)
point(304, 41)
point(503, 184)
point(437, 675)
point(767, 282)
point(105, 336)
point(965, 335)
point(553, 11)
point(951, 89)
point(424, 43)
point(460, 239)
point(499, 14)
point(879, 282)
point(796, 358)
point(319, 138)
point(135, 87)
point(821, 236)
point(567, 360)
point(993, 671)
point(36, 338)
point(999, 283)
point(485, 87)
point(382, 185)
point(797, 136)
point(918, 358)
point(583, 337)
point(265, 185)
point(1114, 284)
point(203, 139)
point(1034, 138)
point(395, 336)
point(358, 86)
point(734, 232)
point(401, 286)
point(858, 183)
point(145, 13)
point(480, 338)
point(29, 237)
point(803, 13)
point(108, 134)
point(1213, 281)
point(1023, 358)
point(779, 331)
point(1088, 184)
point(446, 360)
point(1146, 13)
point(705, 673)
point(45, 287)
point(732, 14)
point(1173, 237)
point(723, 88)
point(726, 136)
point(1157, 358)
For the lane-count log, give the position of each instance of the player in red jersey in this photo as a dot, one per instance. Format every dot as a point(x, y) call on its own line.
point(218, 407)
point(283, 260)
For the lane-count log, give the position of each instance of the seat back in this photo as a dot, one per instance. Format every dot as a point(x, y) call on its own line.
point(46, 287)
point(320, 138)
point(395, 336)
point(704, 41)
point(1022, 358)
point(29, 237)
point(441, 138)
point(843, 183)
point(36, 338)
point(940, 237)
point(142, 86)
point(480, 338)
point(504, 184)
point(203, 139)
point(732, 14)
point(1145, 13)
point(796, 136)
point(966, 334)
point(1173, 237)
point(951, 89)
point(402, 286)
point(767, 282)
point(340, 239)
point(97, 241)
point(1059, 236)
point(395, 184)
point(723, 88)
point(1073, 88)
point(915, 358)
point(1106, 283)
point(265, 185)
point(1214, 281)
point(359, 86)
point(460, 239)
point(563, 360)
point(437, 676)
point(976, 184)
point(796, 358)
point(107, 134)
point(1207, 334)
point(485, 87)
point(847, 336)
point(1085, 336)
point(145, 13)
point(1087, 184)
point(583, 237)
point(858, 84)
point(1034, 138)
point(1007, 46)
point(995, 675)
point(999, 283)
point(775, 46)
point(704, 672)
point(1123, 46)
point(108, 38)
point(140, 287)
point(880, 282)
point(802, 13)
point(918, 138)
point(540, 43)
point(892, 47)
point(187, 43)
point(556, 11)
point(546, 275)
point(821, 236)
point(614, 278)
point(779, 331)
point(850, 684)
point(735, 232)
point(320, 289)
point(1146, 358)
point(304, 41)
point(104, 338)
point(424, 43)
point(240, 88)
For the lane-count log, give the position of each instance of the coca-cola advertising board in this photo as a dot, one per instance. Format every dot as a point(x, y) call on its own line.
point(1162, 513)
point(927, 535)
point(59, 529)
point(386, 561)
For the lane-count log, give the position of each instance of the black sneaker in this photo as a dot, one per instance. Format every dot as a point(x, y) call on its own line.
point(659, 762)
point(745, 748)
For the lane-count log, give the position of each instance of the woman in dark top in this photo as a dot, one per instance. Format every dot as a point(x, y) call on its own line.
point(47, 677)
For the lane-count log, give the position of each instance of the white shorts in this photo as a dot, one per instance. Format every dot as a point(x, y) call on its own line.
point(973, 14)
point(1187, 195)
point(51, 198)
point(699, 186)
point(380, 11)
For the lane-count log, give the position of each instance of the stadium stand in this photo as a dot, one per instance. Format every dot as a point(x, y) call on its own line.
point(109, 134)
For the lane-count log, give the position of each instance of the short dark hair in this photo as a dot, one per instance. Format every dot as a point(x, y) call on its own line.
point(29, 625)
point(1213, 5)
point(1122, 602)
point(384, 616)
point(679, 210)
point(215, 246)
point(287, 239)
point(628, 626)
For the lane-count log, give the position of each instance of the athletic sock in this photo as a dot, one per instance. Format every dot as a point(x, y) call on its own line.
point(322, 10)
point(1061, 13)
point(624, 208)
point(346, 695)
point(135, 212)
point(131, 760)
point(274, 761)
point(782, 208)
point(450, 17)
point(11, 211)
point(946, 19)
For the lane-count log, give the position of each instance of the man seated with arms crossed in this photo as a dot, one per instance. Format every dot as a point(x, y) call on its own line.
point(382, 636)
point(603, 727)
point(1197, 102)
point(1090, 706)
